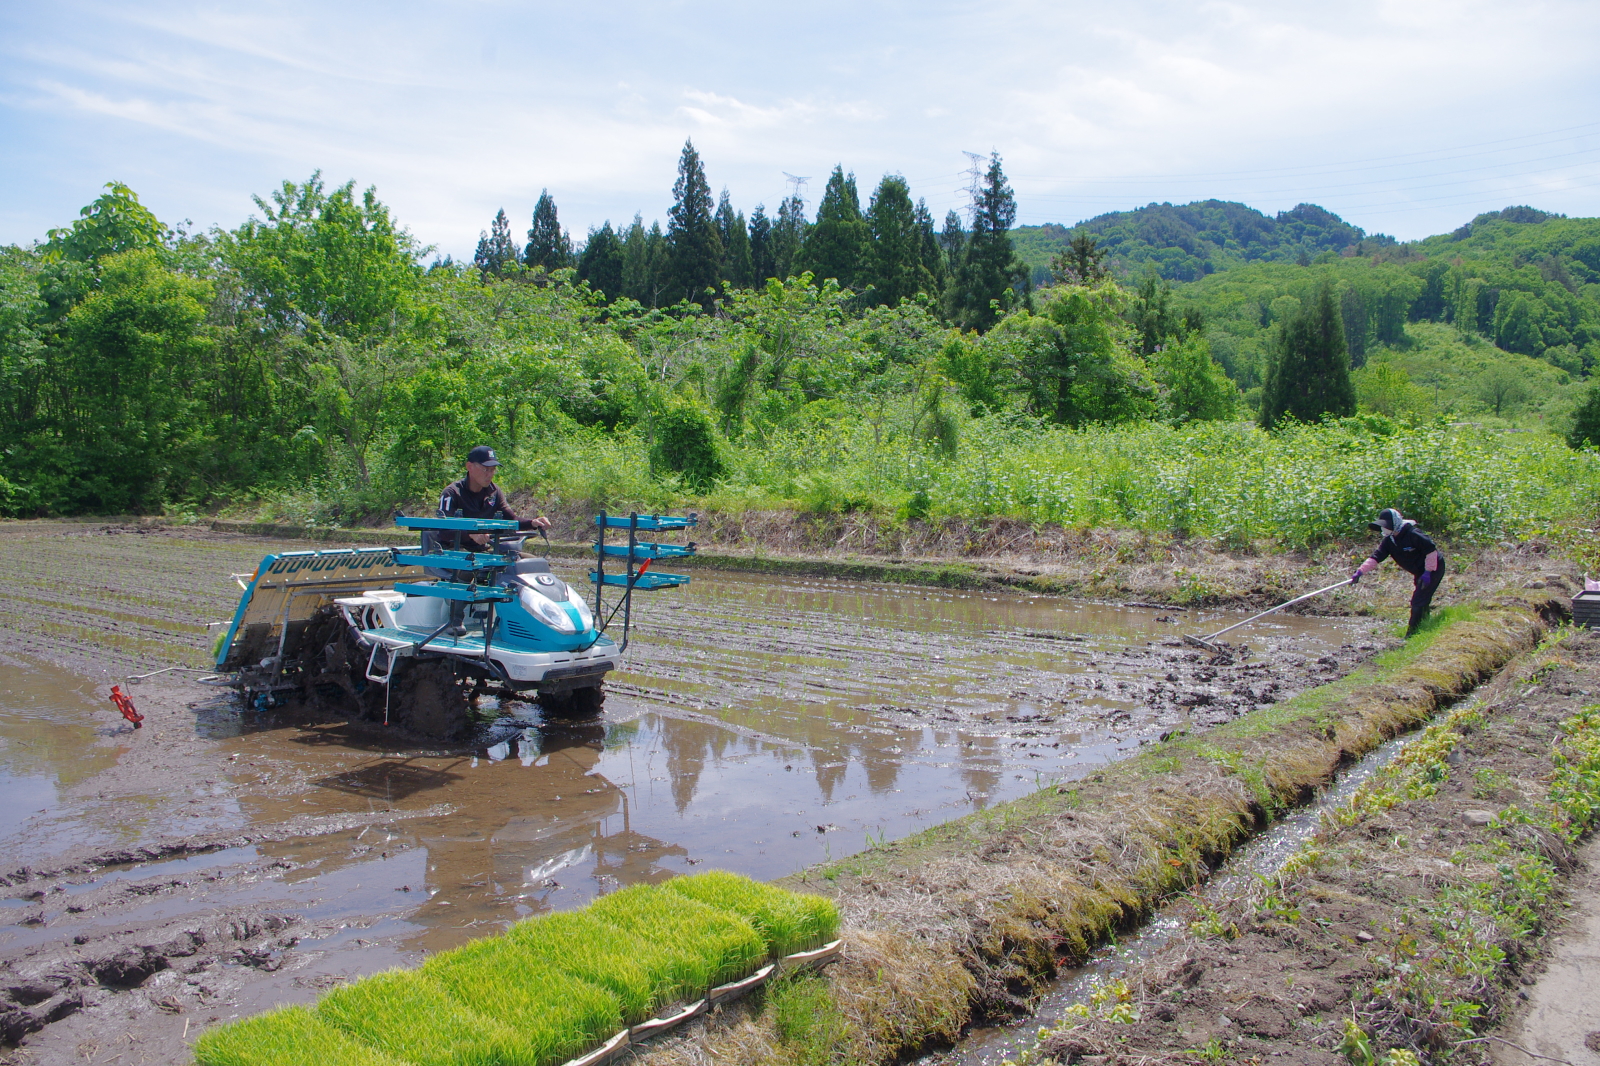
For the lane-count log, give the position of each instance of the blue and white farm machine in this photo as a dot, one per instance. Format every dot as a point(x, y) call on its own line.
point(411, 636)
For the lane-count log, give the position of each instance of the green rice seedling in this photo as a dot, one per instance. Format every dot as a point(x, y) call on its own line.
point(641, 974)
point(288, 1036)
point(500, 979)
point(729, 947)
point(413, 1017)
point(787, 921)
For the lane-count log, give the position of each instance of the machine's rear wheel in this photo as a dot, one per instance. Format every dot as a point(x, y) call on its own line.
point(428, 698)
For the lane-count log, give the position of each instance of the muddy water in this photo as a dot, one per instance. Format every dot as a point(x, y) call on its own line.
point(762, 725)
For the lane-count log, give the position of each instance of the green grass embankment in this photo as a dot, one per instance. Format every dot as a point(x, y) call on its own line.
point(549, 989)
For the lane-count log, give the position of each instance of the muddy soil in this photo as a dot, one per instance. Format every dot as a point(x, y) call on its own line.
point(1354, 935)
point(220, 860)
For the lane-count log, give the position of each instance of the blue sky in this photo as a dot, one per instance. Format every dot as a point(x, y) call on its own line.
point(1403, 117)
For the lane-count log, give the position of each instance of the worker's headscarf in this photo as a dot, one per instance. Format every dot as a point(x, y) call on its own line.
point(1389, 522)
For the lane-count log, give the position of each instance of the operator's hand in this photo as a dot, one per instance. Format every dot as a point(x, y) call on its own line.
point(1355, 578)
point(535, 523)
point(1425, 578)
point(480, 539)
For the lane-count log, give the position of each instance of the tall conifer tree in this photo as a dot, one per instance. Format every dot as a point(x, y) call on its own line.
point(989, 268)
point(894, 266)
point(762, 266)
point(496, 250)
point(601, 263)
point(1309, 376)
point(548, 246)
point(696, 248)
point(735, 268)
point(636, 263)
point(933, 260)
point(788, 236)
point(836, 244)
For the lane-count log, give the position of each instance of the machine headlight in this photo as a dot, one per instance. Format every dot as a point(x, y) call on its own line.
point(585, 616)
point(546, 611)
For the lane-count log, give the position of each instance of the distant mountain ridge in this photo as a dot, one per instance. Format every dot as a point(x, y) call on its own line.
point(1186, 242)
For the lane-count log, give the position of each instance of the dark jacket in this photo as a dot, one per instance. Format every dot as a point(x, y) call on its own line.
point(1409, 548)
point(459, 501)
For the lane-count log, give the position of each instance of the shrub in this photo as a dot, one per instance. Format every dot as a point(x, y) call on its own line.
point(686, 443)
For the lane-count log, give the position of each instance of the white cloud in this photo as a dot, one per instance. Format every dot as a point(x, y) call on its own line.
point(455, 110)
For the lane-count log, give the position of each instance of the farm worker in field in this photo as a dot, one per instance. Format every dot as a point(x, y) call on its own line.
point(1414, 552)
point(477, 496)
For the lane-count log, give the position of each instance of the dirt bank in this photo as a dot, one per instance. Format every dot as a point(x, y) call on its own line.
point(997, 903)
point(1414, 922)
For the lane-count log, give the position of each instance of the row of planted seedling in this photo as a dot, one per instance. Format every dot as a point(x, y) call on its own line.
point(550, 989)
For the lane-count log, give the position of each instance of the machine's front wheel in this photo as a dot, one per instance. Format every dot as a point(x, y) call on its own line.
point(575, 703)
point(428, 697)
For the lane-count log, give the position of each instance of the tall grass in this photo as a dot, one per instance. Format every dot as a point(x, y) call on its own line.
point(1233, 481)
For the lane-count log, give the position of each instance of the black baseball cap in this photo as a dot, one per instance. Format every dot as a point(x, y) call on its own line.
point(483, 455)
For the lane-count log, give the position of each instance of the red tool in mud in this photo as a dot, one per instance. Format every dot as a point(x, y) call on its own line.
point(125, 705)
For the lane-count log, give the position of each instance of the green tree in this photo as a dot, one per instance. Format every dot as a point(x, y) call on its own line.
point(737, 268)
point(895, 267)
point(116, 222)
point(1309, 376)
point(1502, 388)
point(125, 411)
point(1516, 326)
point(326, 262)
point(1082, 262)
point(933, 259)
point(836, 244)
point(1353, 311)
point(496, 250)
point(1073, 358)
point(788, 237)
point(1193, 387)
point(548, 244)
point(1152, 315)
point(696, 249)
point(1585, 431)
point(983, 283)
point(602, 261)
point(762, 266)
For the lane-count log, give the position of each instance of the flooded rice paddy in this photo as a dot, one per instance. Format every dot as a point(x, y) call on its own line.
point(762, 725)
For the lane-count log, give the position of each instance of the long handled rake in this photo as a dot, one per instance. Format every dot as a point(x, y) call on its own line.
point(1209, 642)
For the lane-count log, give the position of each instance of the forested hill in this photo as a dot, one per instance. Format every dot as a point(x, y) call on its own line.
point(1188, 241)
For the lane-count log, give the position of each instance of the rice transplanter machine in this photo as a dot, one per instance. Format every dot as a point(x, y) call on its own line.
point(413, 635)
